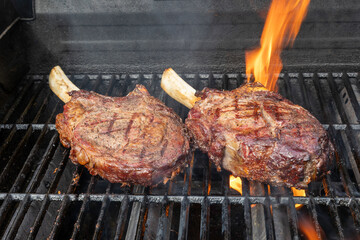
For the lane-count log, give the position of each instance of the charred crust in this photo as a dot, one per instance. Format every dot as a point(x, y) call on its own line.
point(279, 142)
point(132, 140)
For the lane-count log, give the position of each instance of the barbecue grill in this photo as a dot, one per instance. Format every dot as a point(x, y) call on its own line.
point(110, 47)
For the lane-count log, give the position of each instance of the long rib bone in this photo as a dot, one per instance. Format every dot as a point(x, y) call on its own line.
point(182, 92)
point(60, 84)
point(178, 89)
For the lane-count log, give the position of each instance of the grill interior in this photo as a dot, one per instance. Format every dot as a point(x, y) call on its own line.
point(44, 195)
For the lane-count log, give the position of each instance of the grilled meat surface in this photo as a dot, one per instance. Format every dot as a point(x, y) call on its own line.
point(259, 135)
point(133, 139)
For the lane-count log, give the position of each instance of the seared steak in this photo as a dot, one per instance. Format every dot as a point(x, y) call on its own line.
point(259, 135)
point(133, 139)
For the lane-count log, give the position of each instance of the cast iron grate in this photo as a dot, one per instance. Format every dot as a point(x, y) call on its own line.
point(44, 195)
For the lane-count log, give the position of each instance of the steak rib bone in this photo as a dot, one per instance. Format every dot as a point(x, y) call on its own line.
point(178, 89)
point(60, 84)
point(182, 92)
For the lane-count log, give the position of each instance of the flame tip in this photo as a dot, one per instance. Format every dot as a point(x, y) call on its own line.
point(281, 27)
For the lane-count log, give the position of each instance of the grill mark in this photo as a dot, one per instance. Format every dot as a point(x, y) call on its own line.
point(111, 124)
point(270, 123)
point(142, 153)
point(112, 130)
point(256, 112)
point(236, 103)
point(217, 114)
point(164, 148)
point(151, 118)
point(104, 121)
point(129, 127)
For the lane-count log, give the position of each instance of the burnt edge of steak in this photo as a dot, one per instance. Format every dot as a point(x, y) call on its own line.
point(133, 139)
point(259, 135)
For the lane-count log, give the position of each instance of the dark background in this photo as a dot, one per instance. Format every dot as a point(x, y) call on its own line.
point(148, 36)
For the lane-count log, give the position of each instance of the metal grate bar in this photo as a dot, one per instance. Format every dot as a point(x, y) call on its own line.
point(281, 228)
point(257, 212)
point(247, 209)
point(353, 158)
point(15, 221)
point(205, 206)
point(17, 151)
point(26, 167)
point(111, 86)
point(20, 177)
point(17, 101)
point(336, 97)
point(225, 209)
point(20, 213)
point(43, 105)
point(247, 216)
point(184, 218)
point(12, 133)
point(25, 126)
point(4, 209)
point(288, 94)
point(52, 188)
point(65, 202)
point(268, 218)
point(185, 205)
point(211, 81)
point(355, 212)
point(314, 216)
point(304, 92)
point(353, 99)
point(334, 211)
point(120, 227)
point(205, 219)
point(327, 113)
point(237, 200)
point(143, 210)
point(225, 82)
point(163, 225)
point(344, 174)
point(348, 184)
point(225, 218)
point(35, 181)
point(293, 217)
point(104, 207)
point(31, 102)
point(84, 205)
point(37, 223)
point(348, 131)
point(39, 126)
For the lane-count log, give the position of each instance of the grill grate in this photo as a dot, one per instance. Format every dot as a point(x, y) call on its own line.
point(44, 195)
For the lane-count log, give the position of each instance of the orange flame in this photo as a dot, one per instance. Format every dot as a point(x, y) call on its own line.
point(236, 183)
point(282, 25)
point(298, 193)
point(307, 227)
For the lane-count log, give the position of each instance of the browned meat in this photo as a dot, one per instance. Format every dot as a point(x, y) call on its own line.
point(132, 139)
point(259, 135)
